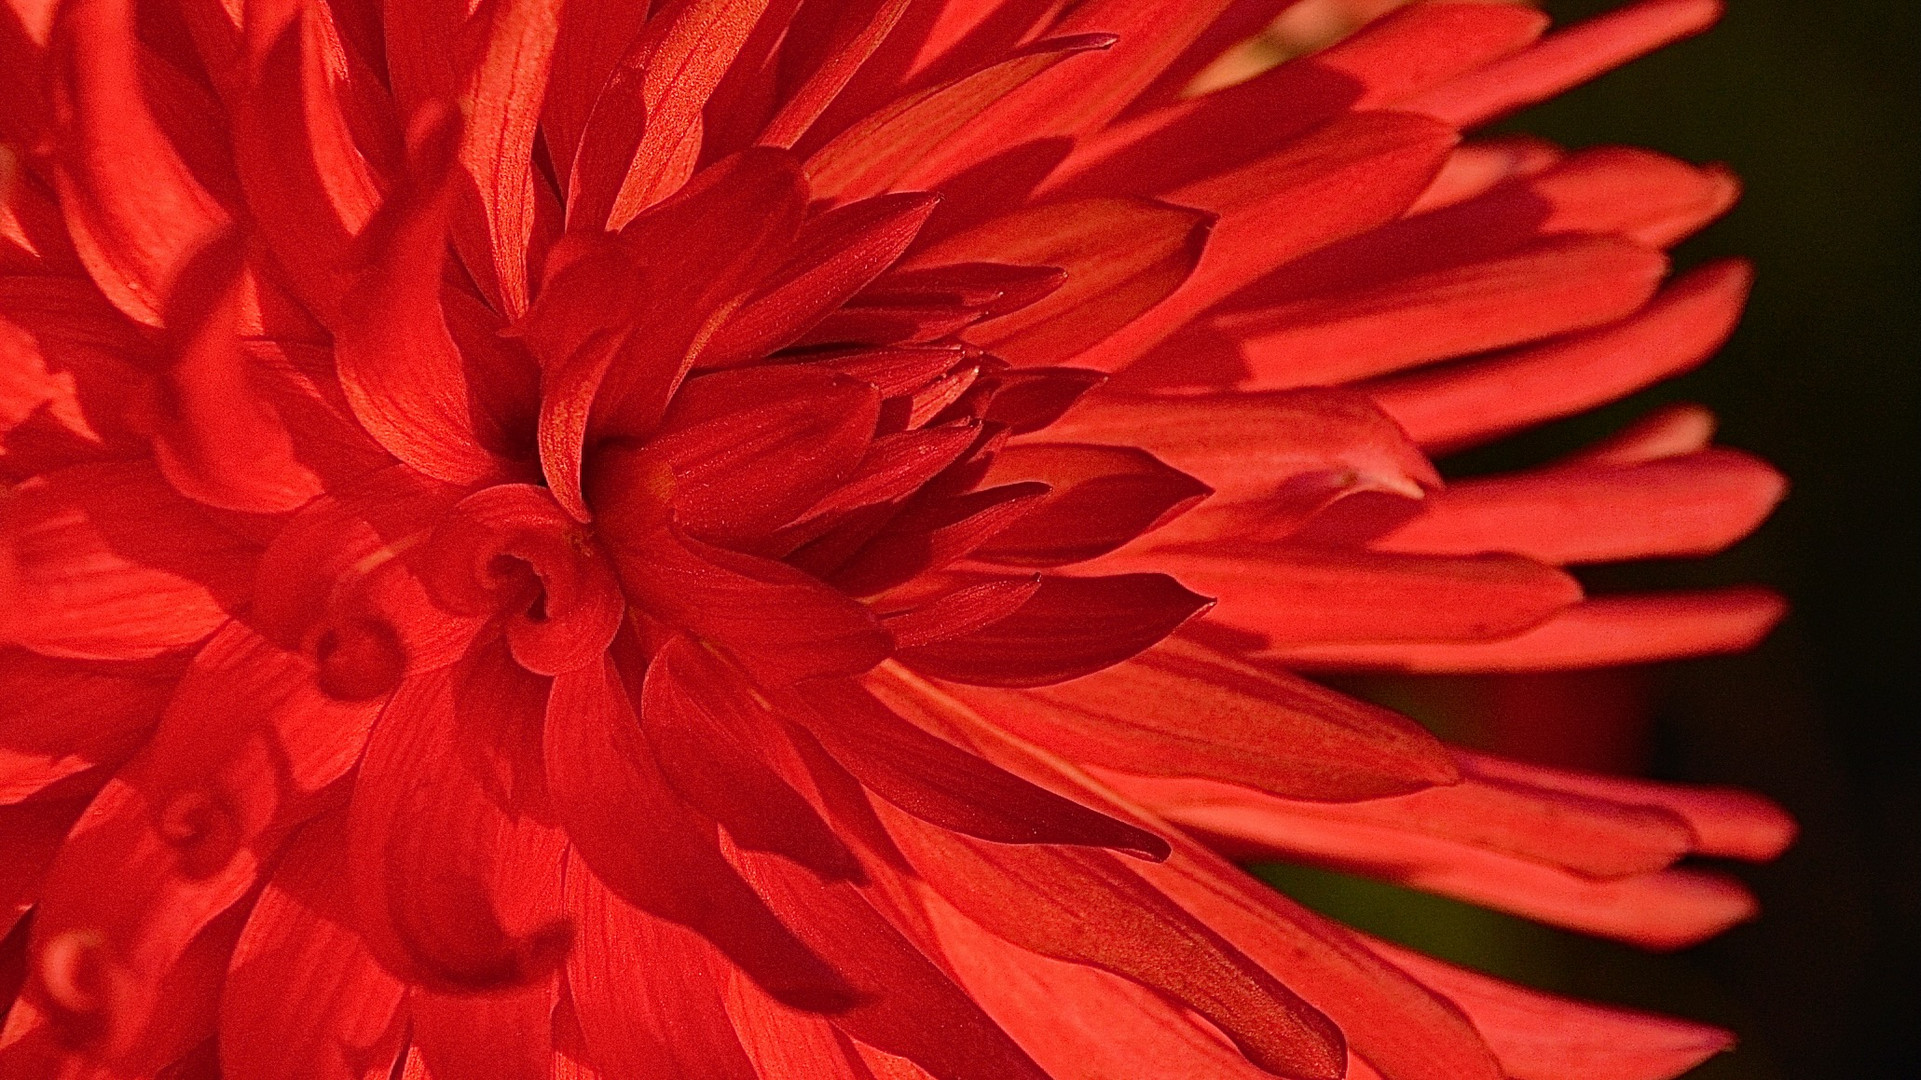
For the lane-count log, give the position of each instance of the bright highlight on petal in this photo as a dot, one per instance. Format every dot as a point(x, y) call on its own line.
point(779, 540)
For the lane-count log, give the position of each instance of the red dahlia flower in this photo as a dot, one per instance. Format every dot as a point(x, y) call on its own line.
point(772, 538)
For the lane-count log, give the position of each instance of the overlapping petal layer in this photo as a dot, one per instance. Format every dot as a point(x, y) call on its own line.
point(773, 538)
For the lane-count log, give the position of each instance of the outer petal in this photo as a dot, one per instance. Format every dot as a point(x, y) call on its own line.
point(1184, 709)
point(648, 993)
point(106, 561)
point(655, 853)
point(136, 211)
point(304, 999)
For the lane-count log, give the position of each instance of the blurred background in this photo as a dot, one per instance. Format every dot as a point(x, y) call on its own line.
point(1816, 106)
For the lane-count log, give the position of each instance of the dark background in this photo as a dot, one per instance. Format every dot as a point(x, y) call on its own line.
point(1815, 105)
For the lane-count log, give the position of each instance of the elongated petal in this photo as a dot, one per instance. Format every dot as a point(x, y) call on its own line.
point(497, 143)
point(135, 209)
point(1099, 498)
point(1070, 627)
point(1316, 442)
point(907, 1005)
point(452, 892)
point(403, 373)
point(1355, 173)
point(1081, 1022)
point(59, 718)
point(1073, 905)
point(1307, 594)
point(310, 184)
point(1463, 404)
point(107, 562)
point(1122, 256)
point(1566, 59)
point(304, 999)
point(1662, 909)
point(711, 735)
point(1541, 1036)
point(654, 852)
point(648, 993)
point(1400, 53)
point(1556, 287)
point(686, 52)
point(1594, 633)
point(873, 155)
point(938, 782)
point(1725, 821)
point(1184, 709)
point(1690, 505)
point(836, 255)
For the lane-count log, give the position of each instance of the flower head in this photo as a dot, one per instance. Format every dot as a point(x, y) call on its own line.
point(739, 539)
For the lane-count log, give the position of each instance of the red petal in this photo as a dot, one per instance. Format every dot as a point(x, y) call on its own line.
point(787, 1044)
point(1691, 505)
point(943, 606)
point(496, 147)
point(1668, 432)
point(452, 892)
point(243, 753)
point(311, 186)
point(1564, 59)
point(842, 37)
point(835, 256)
point(896, 466)
point(655, 853)
point(1274, 459)
point(135, 209)
point(907, 1005)
point(220, 440)
point(33, 832)
point(940, 783)
point(611, 369)
point(932, 532)
point(876, 154)
point(1665, 909)
point(1400, 53)
point(1080, 1022)
point(711, 734)
point(1071, 627)
point(303, 998)
point(1554, 287)
point(509, 551)
point(501, 1036)
point(648, 993)
point(1725, 821)
point(1598, 838)
point(1184, 709)
point(1099, 498)
point(1307, 594)
point(1149, 35)
point(1341, 180)
point(592, 38)
point(751, 450)
point(1122, 256)
point(1088, 907)
point(59, 718)
point(1540, 1036)
point(406, 378)
point(1467, 403)
point(107, 562)
point(1602, 632)
point(1390, 1021)
point(684, 51)
point(781, 624)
